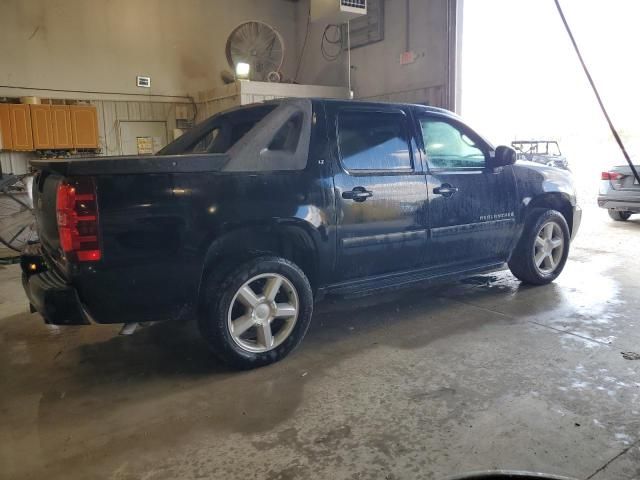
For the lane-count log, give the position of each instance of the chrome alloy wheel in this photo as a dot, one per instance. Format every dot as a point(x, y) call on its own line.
point(263, 312)
point(548, 248)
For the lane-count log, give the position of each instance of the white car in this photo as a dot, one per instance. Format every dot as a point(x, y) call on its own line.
point(619, 192)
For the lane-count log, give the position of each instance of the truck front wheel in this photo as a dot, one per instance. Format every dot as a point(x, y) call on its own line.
point(258, 313)
point(543, 249)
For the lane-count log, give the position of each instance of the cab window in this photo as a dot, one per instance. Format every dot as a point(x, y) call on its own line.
point(370, 140)
point(448, 146)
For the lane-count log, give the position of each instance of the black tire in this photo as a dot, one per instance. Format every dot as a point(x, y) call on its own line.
point(619, 216)
point(219, 296)
point(522, 262)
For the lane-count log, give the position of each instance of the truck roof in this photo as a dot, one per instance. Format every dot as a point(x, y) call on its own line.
point(368, 103)
point(386, 104)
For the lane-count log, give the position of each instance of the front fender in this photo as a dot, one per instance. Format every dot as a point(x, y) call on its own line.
point(535, 180)
point(541, 186)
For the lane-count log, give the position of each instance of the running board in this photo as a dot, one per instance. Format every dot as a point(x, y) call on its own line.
point(400, 280)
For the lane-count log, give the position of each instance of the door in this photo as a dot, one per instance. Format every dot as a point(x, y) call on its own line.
point(471, 208)
point(20, 119)
point(84, 126)
point(61, 123)
point(380, 191)
point(41, 127)
point(142, 138)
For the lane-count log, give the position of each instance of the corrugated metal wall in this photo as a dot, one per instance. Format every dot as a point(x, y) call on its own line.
point(15, 162)
point(432, 96)
point(211, 107)
point(245, 93)
point(109, 114)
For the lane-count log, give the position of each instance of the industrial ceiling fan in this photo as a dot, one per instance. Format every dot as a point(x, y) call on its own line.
point(258, 45)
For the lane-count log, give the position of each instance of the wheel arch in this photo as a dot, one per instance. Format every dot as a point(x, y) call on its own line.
point(292, 239)
point(555, 201)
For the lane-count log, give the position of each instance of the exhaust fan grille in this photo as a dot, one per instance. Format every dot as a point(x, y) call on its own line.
point(362, 4)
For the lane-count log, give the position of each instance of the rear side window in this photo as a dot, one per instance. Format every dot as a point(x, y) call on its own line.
point(288, 137)
point(374, 140)
point(219, 133)
point(205, 143)
point(280, 142)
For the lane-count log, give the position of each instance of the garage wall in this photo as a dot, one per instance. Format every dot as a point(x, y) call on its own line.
point(101, 45)
point(376, 70)
point(110, 113)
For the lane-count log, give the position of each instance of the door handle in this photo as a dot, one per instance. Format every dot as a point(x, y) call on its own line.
point(445, 190)
point(358, 194)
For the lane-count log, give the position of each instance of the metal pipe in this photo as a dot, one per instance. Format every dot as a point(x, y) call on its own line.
point(349, 58)
point(407, 44)
point(595, 90)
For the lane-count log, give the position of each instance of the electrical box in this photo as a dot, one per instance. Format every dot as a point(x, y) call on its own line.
point(337, 11)
point(144, 82)
point(183, 112)
point(407, 57)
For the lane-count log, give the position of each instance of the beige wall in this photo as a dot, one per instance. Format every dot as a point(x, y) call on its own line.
point(101, 45)
point(377, 73)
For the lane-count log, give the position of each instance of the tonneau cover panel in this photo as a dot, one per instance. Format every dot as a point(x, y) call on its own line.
point(134, 164)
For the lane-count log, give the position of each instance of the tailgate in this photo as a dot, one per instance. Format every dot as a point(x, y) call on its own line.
point(45, 186)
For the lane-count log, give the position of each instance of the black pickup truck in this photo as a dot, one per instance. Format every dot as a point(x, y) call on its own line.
point(250, 217)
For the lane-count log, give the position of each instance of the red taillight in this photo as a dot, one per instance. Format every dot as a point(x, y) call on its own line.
point(77, 214)
point(611, 176)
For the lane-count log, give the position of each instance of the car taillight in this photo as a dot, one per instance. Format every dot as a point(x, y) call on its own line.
point(77, 215)
point(611, 176)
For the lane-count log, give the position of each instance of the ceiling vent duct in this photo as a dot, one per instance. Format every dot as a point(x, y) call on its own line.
point(337, 11)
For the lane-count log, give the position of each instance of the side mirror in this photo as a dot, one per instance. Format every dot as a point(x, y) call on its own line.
point(503, 156)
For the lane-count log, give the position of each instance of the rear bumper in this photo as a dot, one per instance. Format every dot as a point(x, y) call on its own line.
point(631, 204)
point(50, 296)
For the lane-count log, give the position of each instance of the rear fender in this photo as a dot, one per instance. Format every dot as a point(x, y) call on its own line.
point(293, 239)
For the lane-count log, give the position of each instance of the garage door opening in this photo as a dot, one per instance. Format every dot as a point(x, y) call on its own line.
point(521, 79)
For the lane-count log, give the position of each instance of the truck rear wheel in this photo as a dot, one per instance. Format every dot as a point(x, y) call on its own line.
point(258, 313)
point(542, 251)
point(619, 216)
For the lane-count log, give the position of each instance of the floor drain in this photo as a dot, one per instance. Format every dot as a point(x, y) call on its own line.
point(630, 355)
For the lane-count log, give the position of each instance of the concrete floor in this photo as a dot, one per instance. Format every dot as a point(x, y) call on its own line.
point(424, 383)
